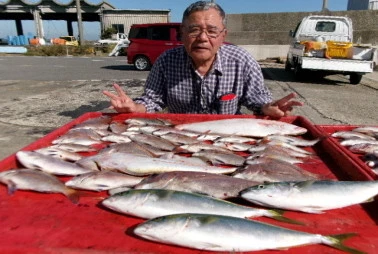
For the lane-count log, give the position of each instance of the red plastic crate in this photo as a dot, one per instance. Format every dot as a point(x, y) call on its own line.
point(49, 223)
point(354, 159)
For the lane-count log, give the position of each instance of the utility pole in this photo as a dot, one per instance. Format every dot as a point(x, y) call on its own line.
point(79, 22)
point(325, 5)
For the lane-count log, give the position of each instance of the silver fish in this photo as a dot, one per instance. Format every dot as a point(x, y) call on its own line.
point(351, 135)
point(236, 147)
point(153, 141)
point(197, 147)
point(104, 180)
point(271, 170)
point(351, 142)
point(249, 127)
point(220, 158)
point(36, 180)
point(215, 185)
point(75, 148)
point(291, 140)
point(101, 122)
point(153, 203)
point(147, 121)
point(311, 196)
point(117, 127)
point(364, 148)
point(226, 233)
point(178, 139)
point(60, 153)
point(116, 138)
point(141, 165)
point(34, 160)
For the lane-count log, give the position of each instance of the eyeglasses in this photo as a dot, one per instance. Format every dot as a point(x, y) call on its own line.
point(213, 33)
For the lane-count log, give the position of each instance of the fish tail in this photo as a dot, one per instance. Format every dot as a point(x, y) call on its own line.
point(337, 242)
point(73, 195)
point(278, 215)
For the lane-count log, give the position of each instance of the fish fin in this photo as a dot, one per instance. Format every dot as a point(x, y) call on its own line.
point(337, 242)
point(73, 195)
point(368, 200)
point(12, 188)
point(303, 184)
point(278, 215)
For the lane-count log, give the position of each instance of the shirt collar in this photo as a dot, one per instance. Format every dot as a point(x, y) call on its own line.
point(217, 65)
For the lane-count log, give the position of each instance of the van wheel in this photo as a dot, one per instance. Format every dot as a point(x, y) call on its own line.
point(355, 78)
point(142, 63)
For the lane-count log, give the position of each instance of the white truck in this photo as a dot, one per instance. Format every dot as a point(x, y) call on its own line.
point(119, 40)
point(324, 45)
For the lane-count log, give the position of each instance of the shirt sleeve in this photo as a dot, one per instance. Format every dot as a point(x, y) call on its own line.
point(256, 93)
point(153, 97)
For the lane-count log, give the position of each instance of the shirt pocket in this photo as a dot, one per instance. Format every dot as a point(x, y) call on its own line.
point(229, 106)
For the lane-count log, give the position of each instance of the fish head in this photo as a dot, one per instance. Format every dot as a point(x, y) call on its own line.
point(267, 192)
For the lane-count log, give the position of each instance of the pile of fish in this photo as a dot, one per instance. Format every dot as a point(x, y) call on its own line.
point(186, 174)
point(362, 141)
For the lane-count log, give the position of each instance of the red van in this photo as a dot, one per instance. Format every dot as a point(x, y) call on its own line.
point(148, 41)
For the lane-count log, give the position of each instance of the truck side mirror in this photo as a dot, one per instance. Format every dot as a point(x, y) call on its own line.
point(291, 33)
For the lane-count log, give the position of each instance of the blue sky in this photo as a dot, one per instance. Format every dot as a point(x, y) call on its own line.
point(92, 29)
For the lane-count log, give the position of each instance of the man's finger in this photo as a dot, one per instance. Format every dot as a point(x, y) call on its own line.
point(110, 95)
point(285, 99)
point(119, 91)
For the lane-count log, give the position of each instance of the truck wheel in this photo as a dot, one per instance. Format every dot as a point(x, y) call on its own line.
point(287, 65)
point(355, 78)
point(142, 63)
point(298, 71)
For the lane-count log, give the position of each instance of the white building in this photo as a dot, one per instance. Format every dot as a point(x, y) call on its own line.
point(362, 5)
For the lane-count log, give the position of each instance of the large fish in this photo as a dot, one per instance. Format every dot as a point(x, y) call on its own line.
point(311, 196)
point(151, 203)
point(244, 127)
point(141, 165)
point(215, 185)
point(36, 180)
point(35, 160)
point(226, 233)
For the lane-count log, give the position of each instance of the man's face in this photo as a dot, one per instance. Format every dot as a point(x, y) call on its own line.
point(203, 33)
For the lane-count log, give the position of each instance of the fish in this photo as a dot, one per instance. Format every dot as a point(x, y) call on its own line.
point(104, 180)
point(271, 170)
point(46, 163)
point(235, 147)
point(152, 203)
point(59, 153)
point(36, 180)
point(116, 138)
point(197, 147)
point(142, 165)
point(220, 158)
point(364, 148)
point(311, 196)
point(351, 142)
point(101, 122)
point(117, 127)
point(178, 139)
point(75, 148)
point(249, 127)
point(351, 135)
point(147, 121)
point(236, 139)
point(214, 185)
point(226, 233)
point(291, 140)
point(153, 141)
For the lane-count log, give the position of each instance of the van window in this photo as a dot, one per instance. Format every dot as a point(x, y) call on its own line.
point(138, 33)
point(160, 33)
point(325, 26)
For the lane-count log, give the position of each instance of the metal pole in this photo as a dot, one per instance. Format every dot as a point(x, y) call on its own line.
point(325, 5)
point(79, 22)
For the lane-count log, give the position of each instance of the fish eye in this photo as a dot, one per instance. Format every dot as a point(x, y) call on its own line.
point(260, 186)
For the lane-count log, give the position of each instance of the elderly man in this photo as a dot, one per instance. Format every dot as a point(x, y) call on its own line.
point(206, 75)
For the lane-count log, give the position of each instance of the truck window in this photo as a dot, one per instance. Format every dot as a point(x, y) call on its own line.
point(325, 26)
point(119, 27)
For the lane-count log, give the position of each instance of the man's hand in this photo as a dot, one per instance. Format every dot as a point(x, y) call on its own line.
point(281, 107)
point(123, 103)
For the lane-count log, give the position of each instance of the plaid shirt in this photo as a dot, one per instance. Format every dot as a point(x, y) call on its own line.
point(234, 80)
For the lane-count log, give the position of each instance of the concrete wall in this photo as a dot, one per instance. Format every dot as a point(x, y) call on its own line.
point(266, 35)
point(273, 28)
